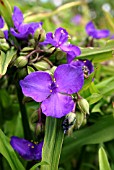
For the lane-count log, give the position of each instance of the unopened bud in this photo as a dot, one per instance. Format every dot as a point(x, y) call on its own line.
point(83, 105)
point(27, 49)
point(40, 34)
point(79, 119)
point(1, 34)
point(4, 46)
point(21, 61)
point(42, 65)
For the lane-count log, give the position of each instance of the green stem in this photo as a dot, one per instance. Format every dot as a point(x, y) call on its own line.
point(52, 143)
point(25, 123)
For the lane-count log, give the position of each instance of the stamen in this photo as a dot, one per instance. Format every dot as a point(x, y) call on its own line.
point(62, 31)
point(32, 146)
point(51, 91)
point(84, 61)
point(54, 80)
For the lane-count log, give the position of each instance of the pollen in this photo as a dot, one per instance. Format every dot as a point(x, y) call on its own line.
point(54, 80)
point(32, 146)
point(51, 91)
point(84, 61)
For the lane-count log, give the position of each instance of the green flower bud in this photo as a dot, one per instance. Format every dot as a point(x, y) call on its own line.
point(40, 33)
point(4, 46)
point(21, 61)
point(1, 34)
point(27, 49)
point(2, 40)
point(83, 105)
point(80, 118)
point(42, 65)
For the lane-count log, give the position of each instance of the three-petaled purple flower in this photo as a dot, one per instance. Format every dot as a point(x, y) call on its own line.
point(59, 40)
point(1, 26)
point(95, 33)
point(27, 150)
point(55, 94)
point(21, 29)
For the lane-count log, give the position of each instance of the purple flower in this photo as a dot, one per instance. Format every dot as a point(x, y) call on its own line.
point(22, 30)
point(1, 26)
point(86, 66)
point(76, 19)
point(28, 150)
point(55, 94)
point(59, 40)
point(95, 33)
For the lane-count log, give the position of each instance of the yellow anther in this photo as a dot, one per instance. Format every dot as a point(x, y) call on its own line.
point(84, 61)
point(51, 91)
point(32, 146)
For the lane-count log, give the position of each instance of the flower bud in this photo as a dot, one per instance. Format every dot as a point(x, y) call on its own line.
point(40, 33)
point(4, 46)
point(79, 119)
point(42, 65)
point(1, 34)
point(21, 61)
point(27, 49)
point(83, 105)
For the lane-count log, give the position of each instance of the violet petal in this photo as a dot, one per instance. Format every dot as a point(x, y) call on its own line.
point(90, 28)
point(1, 22)
point(101, 34)
point(57, 105)
point(17, 17)
point(60, 36)
point(68, 78)
point(37, 85)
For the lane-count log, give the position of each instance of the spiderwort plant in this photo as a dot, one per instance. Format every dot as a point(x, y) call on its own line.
point(95, 33)
point(26, 149)
point(59, 40)
point(55, 94)
point(22, 30)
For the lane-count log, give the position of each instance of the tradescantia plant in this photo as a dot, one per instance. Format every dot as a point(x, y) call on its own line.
point(58, 93)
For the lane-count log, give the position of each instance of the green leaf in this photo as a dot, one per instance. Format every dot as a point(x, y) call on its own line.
point(6, 12)
point(98, 54)
point(52, 143)
point(5, 59)
point(7, 151)
point(103, 160)
point(38, 164)
point(101, 131)
point(95, 97)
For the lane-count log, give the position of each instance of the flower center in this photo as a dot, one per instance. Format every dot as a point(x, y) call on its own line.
point(53, 87)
